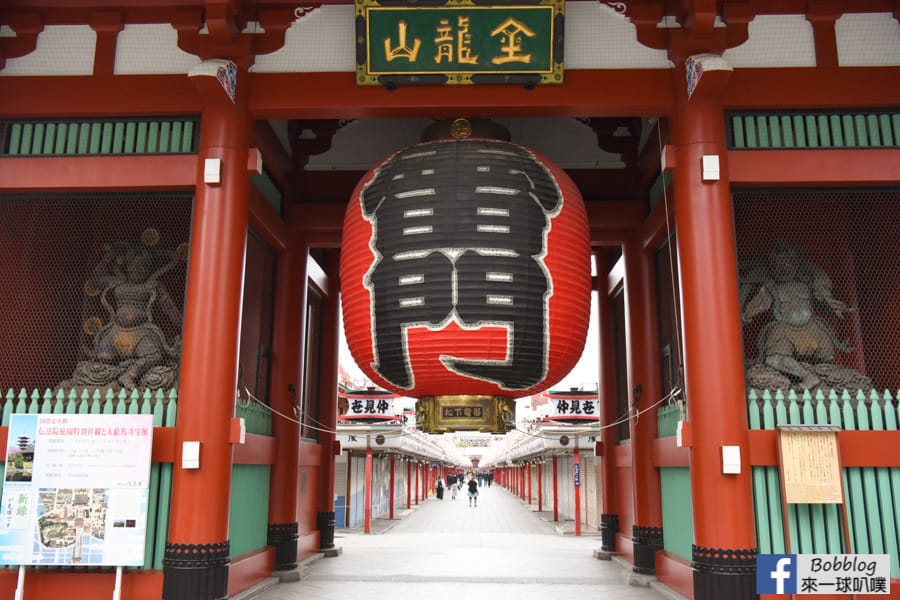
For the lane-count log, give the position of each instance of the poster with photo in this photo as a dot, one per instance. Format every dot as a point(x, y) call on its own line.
point(75, 490)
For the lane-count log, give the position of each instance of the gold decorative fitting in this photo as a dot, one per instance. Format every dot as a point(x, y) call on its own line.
point(461, 129)
point(90, 289)
point(92, 325)
point(150, 237)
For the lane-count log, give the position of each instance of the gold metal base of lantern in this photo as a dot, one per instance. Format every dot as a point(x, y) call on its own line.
point(446, 414)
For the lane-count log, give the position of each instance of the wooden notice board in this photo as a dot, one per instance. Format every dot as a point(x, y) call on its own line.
point(810, 464)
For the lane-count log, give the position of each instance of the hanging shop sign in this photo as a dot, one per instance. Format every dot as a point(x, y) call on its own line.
point(573, 407)
point(465, 272)
point(459, 43)
point(76, 490)
point(363, 406)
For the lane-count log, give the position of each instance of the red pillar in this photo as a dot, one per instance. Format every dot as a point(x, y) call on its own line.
point(528, 467)
point(290, 300)
point(327, 400)
point(609, 436)
point(409, 485)
point(576, 465)
point(522, 482)
point(642, 343)
point(197, 549)
point(391, 490)
point(555, 490)
point(724, 552)
point(367, 492)
point(540, 487)
point(417, 484)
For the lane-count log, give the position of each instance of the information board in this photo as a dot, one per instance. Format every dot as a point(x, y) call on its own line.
point(76, 489)
point(810, 465)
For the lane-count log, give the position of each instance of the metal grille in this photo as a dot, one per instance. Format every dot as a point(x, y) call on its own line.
point(93, 290)
point(819, 292)
point(178, 135)
point(765, 130)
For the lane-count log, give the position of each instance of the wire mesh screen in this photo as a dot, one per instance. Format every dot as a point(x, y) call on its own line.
point(819, 291)
point(93, 290)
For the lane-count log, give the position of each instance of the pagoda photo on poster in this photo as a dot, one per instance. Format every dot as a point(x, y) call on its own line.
point(75, 490)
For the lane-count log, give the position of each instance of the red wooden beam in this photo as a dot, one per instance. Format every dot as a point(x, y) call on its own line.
point(320, 223)
point(675, 572)
point(120, 173)
point(163, 450)
point(615, 215)
point(588, 92)
point(612, 92)
point(858, 448)
point(256, 450)
point(665, 453)
point(814, 167)
point(82, 583)
point(808, 88)
point(249, 569)
point(101, 96)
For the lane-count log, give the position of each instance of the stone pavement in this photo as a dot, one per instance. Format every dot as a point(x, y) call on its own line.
point(443, 549)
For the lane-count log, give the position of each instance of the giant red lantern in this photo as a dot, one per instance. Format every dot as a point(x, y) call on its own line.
point(465, 271)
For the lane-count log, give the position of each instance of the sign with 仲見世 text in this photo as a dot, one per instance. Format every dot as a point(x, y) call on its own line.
point(580, 408)
point(76, 489)
point(462, 43)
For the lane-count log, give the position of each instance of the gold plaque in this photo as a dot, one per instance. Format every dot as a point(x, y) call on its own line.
point(446, 414)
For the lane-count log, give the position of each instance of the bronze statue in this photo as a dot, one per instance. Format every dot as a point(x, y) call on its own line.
point(796, 347)
point(129, 349)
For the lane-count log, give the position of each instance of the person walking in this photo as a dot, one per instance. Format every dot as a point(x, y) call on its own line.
point(440, 490)
point(453, 489)
point(473, 492)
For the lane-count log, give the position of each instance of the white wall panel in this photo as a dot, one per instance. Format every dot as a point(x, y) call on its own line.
point(61, 50)
point(775, 41)
point(151, 49)
point(868, 40)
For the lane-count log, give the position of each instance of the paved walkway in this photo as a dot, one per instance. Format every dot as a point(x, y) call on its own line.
point(443, 550)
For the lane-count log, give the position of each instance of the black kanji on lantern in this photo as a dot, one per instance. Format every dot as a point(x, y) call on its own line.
point(460, 234)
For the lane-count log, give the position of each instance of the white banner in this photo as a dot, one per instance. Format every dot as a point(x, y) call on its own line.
point(574, 408)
